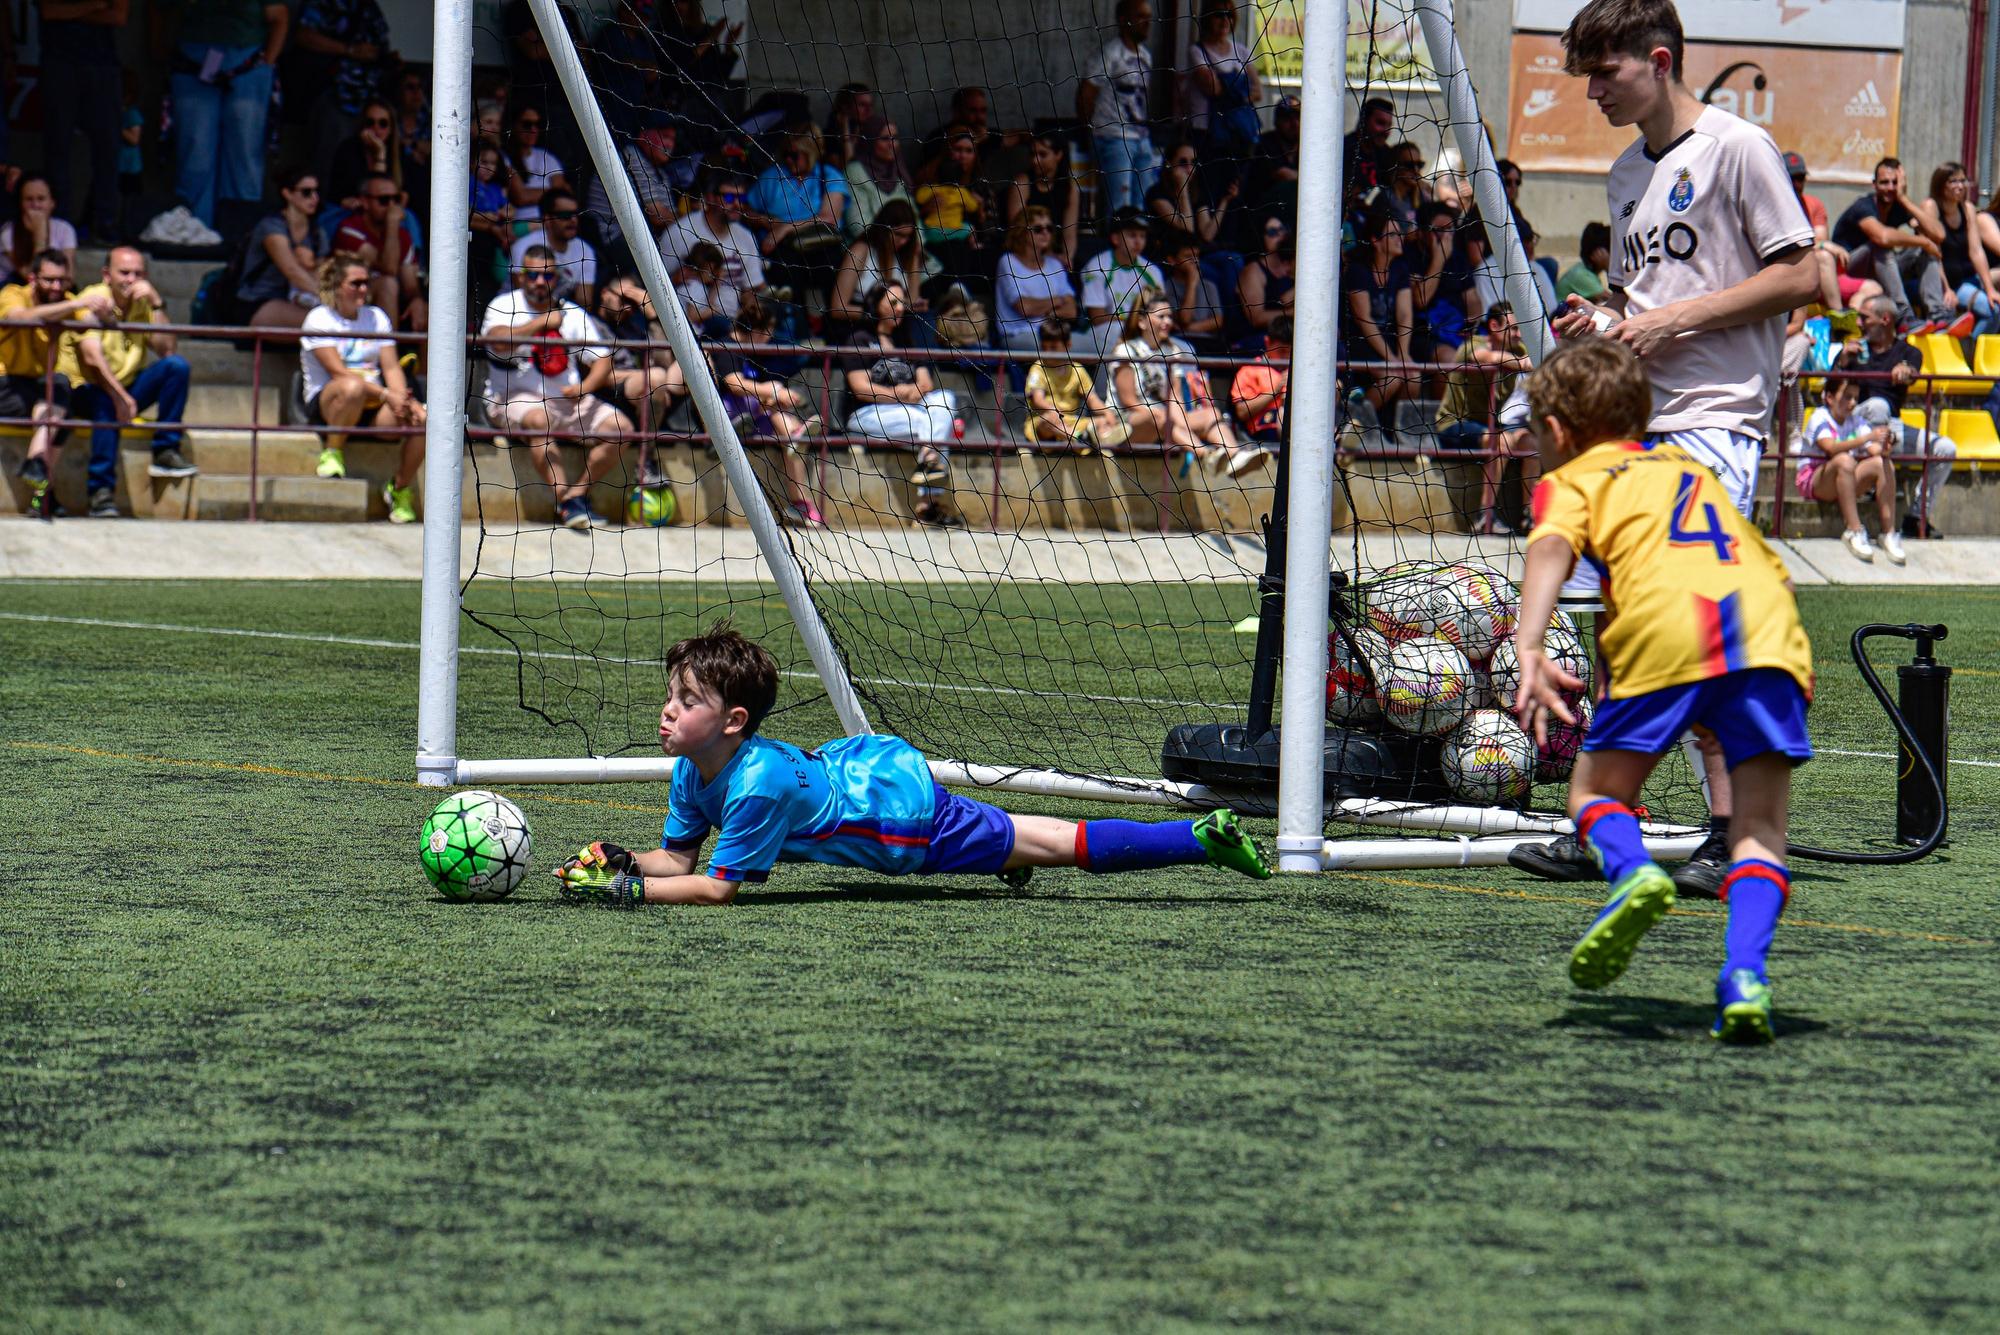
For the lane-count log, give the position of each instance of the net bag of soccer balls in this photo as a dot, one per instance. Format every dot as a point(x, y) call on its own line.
point(1432, 654)
point(475, 847)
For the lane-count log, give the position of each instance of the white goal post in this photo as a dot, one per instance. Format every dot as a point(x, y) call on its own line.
point(1460, 835)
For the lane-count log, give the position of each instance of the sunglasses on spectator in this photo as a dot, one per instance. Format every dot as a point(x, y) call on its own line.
point(361, 283)
point(561, 215)
point(392, 197)
point(377, 122)
point(1040, 228)
point(309, 191)
point(732, 196)
point(527, 123)
point(1274, 229)
point(537, 276)
point(1183, 162)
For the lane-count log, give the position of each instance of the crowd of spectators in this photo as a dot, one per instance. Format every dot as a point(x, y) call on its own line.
point(1154, 228)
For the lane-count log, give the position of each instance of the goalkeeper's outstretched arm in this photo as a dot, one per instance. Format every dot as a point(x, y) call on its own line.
point(607, 873)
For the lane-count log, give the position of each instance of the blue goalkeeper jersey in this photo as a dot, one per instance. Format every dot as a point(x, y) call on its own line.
point(855, 802)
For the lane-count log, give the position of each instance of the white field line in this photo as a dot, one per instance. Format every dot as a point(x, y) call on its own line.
point(949, 688)
point(409, 646)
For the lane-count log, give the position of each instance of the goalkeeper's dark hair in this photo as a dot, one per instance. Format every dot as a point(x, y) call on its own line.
point(739, 670)
point(1596, 388)
point(1621, 28)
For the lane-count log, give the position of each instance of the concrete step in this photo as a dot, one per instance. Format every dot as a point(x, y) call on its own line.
point(212, 495)
point(279, 452)
point(213, 402)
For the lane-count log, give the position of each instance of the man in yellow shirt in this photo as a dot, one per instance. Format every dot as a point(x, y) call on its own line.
point(1702, 632)
point(113, 383)
point(28, 316)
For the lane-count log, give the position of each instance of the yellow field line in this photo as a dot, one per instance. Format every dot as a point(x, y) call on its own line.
point(315, 776)
point(1495, 892)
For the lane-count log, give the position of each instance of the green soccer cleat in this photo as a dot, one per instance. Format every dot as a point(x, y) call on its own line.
point(332, 463)
point(1742, 1009)
point(1637, 902)
point(1222, 837)
point(402, 503)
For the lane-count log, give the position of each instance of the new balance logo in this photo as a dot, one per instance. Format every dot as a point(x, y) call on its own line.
point(1626, 212)
point(1867, 102)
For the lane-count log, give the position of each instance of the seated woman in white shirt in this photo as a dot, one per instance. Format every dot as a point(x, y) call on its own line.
point(353, 378)
point(1159, 392)
point(1032, 283)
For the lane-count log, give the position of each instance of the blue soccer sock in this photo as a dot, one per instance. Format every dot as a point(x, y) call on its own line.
point(1136, 845)
point(1755, 891)
point(1610, 831)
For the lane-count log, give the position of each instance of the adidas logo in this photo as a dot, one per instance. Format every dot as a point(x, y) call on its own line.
point(1867, 102)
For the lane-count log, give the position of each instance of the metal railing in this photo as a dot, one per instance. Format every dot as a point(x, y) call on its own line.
point(992, 363)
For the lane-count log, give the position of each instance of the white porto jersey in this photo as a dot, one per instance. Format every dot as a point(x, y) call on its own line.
point(1705, 215)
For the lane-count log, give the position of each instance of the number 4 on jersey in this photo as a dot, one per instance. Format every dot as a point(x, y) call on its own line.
point(1679, 532)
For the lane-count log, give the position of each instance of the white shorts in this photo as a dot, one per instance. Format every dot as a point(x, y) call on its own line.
point(587, 417)
point(1732, 456)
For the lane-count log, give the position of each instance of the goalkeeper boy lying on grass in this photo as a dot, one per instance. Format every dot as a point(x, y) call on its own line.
point(864, 801)
point(1702, 630)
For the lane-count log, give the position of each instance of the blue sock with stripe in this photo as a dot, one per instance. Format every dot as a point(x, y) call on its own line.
point(1136, 845)
point(1610, 831)
point(1755, 891)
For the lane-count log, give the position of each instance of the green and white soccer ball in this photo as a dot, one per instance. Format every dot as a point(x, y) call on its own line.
point(475, 847)
point(1488, 759)
point(1423, 686)
point(650, 507)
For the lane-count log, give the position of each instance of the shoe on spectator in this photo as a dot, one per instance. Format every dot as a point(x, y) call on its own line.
point(652, 476)
point(1962, 326)
point(1857, 542)
point(179, 227)
point(332, 463)
point(170, 462)
point(402, 502)
point(1910, 522)
point(805, 513)
point(103, 504)
point(578, 515)
point(1247, 459)
point(932, 515)
point(1117, 434)
point(34, 470)
point(930, 470)
point(1892, 543)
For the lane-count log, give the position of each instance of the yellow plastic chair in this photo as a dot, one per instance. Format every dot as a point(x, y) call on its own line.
point(1986, 355)
point(1971, 429)
point(1915, 417)
point(1943, 357)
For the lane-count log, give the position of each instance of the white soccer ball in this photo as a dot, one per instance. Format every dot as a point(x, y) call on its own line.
point(1350, 692)
point(1472, 607)
point(1423, 686)
point(1564, 646)
point(1400, 600)
point(1488, 759)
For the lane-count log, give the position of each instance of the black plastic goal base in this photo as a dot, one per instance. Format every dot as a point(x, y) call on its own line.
point(1357, 764)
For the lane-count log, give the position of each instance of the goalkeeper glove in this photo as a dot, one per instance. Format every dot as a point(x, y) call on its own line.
point(608, 855)
point(596, 883)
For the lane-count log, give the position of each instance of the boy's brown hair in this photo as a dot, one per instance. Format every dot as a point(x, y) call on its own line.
point(1596, 388)
point(739, 670)
point(1621, 28)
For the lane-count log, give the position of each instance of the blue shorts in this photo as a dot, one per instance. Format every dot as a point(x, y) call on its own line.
point(968, 835)
point(1751, 712)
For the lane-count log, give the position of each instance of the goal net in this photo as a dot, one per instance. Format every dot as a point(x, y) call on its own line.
point(963, 391)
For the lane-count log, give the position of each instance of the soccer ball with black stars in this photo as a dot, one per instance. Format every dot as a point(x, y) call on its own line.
point(475, 847)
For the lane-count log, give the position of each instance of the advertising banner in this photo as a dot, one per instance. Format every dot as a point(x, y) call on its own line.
point(1838, 109)
point(1385, 46)
point(1876, 24)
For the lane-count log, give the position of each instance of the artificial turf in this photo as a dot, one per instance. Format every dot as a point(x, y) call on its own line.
point(255, 1075)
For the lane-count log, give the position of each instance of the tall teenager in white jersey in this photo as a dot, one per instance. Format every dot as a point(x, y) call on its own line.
point(1710, 250)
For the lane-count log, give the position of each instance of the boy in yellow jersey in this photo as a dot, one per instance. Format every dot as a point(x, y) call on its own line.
point(1701, 630)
